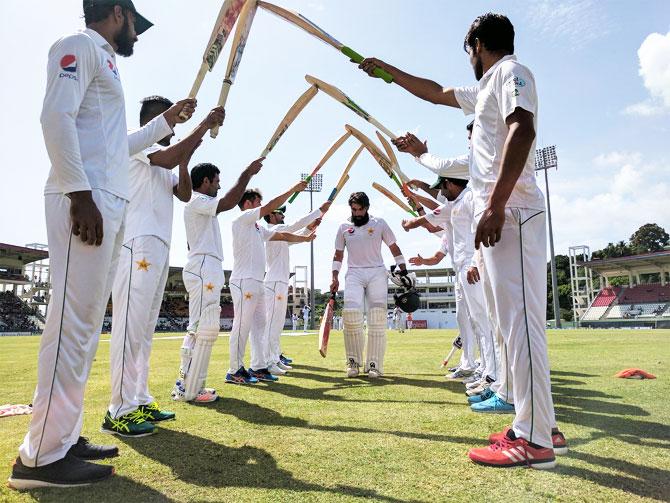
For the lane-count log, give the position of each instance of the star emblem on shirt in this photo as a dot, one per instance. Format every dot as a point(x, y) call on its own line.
point(371, 231)
point(248, 296)
point(142, 265)
point(209, 287)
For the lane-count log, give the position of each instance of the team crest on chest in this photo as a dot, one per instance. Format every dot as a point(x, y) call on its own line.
point(350, 230)
point(371, 231)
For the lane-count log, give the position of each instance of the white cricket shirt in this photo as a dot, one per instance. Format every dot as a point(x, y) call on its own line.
point(249, 246)
point(363, 243)
point(151, 198)
point(84, 118)
point(457, 218)
point(202, 226)
point(456, 166)
point(277, 258)
point(504, 87)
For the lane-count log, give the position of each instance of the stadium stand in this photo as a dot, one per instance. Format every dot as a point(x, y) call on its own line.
point(16, 315)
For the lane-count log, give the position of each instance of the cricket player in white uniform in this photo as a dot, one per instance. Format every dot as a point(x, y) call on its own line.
point(276, 280)
point(294, 321)
point(246, 284)
point(86, 195)
point(511, 226)
point(143, 269)
point(305, 317)
point(456, 218)
point(203, 276)
point(366, 284)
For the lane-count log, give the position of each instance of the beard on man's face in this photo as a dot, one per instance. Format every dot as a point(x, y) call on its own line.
point(360, 220)
point(123, 40)
point(479, 69)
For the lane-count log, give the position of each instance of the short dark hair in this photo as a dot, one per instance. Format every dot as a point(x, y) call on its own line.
point(494, 31)
point(470, 126)
point(360, 198)
point(458, 181)
point(153, 106)
point(202, 171)
point(94, 13)
point(250, 195)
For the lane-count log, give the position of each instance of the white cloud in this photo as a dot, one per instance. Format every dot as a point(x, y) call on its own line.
point(654, 55)
point(626, 192)
point(574, 22)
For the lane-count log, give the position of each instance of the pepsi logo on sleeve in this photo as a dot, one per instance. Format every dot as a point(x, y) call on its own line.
point(68, 63)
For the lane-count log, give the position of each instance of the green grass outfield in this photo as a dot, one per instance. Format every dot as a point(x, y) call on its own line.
point(315, 436)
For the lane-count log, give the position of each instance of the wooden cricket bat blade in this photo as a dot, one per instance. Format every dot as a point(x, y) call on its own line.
point(326, 323)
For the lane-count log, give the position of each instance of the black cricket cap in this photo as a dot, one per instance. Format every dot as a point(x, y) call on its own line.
point(438, 183)
point(142, 24)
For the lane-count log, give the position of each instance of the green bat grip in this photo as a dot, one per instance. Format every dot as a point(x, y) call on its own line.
point(295, 194)
point(357, 58)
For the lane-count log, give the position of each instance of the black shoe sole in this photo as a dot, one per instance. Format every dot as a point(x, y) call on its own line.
point(21, 484)
point(126, 435)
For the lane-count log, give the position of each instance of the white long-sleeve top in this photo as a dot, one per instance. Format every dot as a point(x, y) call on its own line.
point(454, 166)
point(277, 260)
point(457, 219)
point(84, 121)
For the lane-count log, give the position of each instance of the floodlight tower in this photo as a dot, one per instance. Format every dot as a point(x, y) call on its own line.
point(315, 185)
point(546, 158)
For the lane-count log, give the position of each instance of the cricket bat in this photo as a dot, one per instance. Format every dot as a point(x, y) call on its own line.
point(302, 22)
point(379, 156)
point(244, 22)
point(345, 174)
point(230, 10)
point(290, 116)
point(392, 157)
point(338, 95)
point(331, 150)
point(326, 323)
point(456, 345)
point(391, 196)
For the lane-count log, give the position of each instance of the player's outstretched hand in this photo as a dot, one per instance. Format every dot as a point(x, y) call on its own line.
point(418, 260)
point(255, 166)
point(215, 117)
point(310, 237)
point(368, 65)
point(489, 229)
point(473, 275)
point(314, 225)
point(86, 218)
point(406, 225)
point(325, 206)
point(417, 184)
point(411, 145)
point(180, 111)
point(299, 187)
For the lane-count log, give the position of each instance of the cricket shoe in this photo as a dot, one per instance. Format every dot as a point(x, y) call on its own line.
point(484, 395)
point(153, 413)
point(240, 377)
point(284, 366)
point(558, 441)
point(263, 375)
point(458, 374)
point(475, 377)
point(275, 369)
point(84, 449)
point(285, 359)
point(373, 371)
point(508, 453)
point(205, 395)
point(70, 471)
point(132, 424)
point(483, 385)
point(494, 405)
point(353, 368)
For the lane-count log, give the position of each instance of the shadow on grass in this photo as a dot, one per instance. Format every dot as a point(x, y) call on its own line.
point(259, 415)
point(201, 462)
point(114, 490)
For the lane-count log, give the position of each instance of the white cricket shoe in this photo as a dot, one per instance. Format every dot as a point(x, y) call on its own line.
point(374, 374)
point(275, 369)
point(283, 366)
point(353, 369)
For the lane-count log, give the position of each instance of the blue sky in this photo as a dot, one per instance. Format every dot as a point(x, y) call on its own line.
point(602, 70)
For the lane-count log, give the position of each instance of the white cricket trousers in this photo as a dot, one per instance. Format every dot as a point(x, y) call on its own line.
point(365, 286)
point(203, 279)
point(478, 318)
point(276, 300)
point(249, 321)
point(468, 358)
point(81, 281)
point(517, 269)
point(137, 294)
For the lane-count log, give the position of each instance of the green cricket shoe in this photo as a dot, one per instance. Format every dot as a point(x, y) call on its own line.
point(153, 413)
point(132, 424)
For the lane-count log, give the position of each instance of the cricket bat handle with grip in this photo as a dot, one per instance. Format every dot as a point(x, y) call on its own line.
point(196, 85)
point(357, 58)
point(225, 88)
point(295, 194)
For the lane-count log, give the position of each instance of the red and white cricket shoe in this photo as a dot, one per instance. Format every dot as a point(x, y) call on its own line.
point(510, 453)
point(557, 440)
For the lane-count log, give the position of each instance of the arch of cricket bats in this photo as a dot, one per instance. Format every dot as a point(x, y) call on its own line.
point(242, 12)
